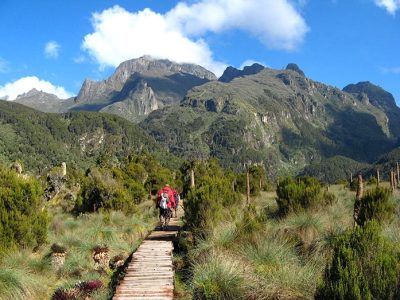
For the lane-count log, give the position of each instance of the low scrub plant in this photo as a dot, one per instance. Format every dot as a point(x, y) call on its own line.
point(296, 195)
point(364, 265)
point(375, 205)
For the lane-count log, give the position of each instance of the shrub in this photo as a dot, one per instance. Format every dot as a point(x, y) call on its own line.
point(101, 190)
point(364, 266)
point(258, 181)
point(23, 220)
point(296, 196)
point(376, 205)
point(204, 205)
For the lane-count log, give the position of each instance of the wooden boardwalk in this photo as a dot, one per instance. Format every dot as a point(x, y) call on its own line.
point(150, 274)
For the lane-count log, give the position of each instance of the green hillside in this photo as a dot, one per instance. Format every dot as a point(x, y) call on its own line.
point(41, 140)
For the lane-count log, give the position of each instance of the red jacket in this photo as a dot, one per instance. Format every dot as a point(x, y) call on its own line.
point(170, 193)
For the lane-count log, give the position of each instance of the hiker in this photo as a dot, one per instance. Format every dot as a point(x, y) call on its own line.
point(177, 198)
point(165, 202)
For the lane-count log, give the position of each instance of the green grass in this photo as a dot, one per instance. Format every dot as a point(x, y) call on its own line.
point(27, 275)
point(266, 257)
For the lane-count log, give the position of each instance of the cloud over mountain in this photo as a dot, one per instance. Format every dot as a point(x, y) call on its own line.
point(11, 90)
point(179, 34)
point(390, 5)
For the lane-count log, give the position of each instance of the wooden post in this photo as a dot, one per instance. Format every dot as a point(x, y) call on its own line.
point(377, 177)
point(360, 190)
point(248, 186)
point(360, 187)
point(192, 178)
point(392, 180)
point(398, 173)
point(351, 177)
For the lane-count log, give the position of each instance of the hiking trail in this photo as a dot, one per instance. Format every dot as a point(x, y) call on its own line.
point(150, 274)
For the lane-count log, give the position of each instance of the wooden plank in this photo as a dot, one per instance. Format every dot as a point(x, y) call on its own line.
point(150, 274)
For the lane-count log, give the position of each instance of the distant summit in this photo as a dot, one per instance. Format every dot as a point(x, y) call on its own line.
point(377, 95)
point(43, 101)
point(39, 95)
point(295, 68)
point(230, 73)
point(379, 98)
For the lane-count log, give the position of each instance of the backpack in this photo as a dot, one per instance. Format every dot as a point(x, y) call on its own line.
point(164, 201)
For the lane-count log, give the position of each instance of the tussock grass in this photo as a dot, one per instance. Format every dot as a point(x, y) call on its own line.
point(259, 255)
point(219, 277)
point(27, 275)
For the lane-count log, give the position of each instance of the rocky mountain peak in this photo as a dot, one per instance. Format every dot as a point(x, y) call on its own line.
point(230, 72)
point(295, 68)
point(377, 95)
point(38, 95)
point(147, 65)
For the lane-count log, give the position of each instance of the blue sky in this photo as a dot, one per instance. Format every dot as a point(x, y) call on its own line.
point(54, 45)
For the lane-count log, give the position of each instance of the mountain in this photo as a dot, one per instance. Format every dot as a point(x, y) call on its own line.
point(41, 140)
point(44, 102)
point(368, 92)
point(276, 117)
point(139, 86)
point(136, 88)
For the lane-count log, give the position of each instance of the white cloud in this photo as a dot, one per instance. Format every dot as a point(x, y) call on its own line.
point(3, 65)
point(178, 35)
point(275, 22)
point(11, 90)
point(120, 35)
point(390, 5)
point(52, 49)
point(392, 70)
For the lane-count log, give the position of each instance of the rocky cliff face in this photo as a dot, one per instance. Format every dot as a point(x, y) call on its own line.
point(139, 102)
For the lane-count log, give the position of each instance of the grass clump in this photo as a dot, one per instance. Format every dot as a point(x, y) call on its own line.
point(219, 277)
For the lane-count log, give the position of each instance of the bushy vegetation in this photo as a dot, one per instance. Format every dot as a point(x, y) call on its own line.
point(334, 168)
point(205, 204)
point(297, 195)
point(258, 181)
point(122, 187)
point(105, 208)
point(375, 205)
point(23, 218)
point(364, 265)
point(101, 191)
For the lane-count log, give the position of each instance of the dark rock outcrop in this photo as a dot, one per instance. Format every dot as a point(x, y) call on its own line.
point(295, 68)
point(231, 73)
